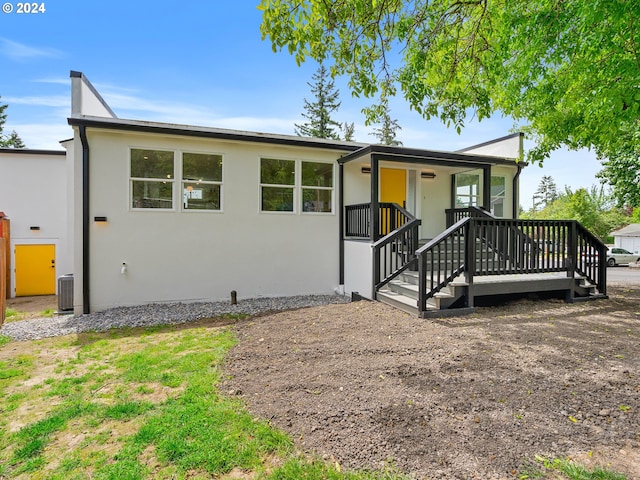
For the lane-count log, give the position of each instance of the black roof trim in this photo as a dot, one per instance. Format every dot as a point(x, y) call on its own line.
point(30, 151)
point(415, 155)
point(189, 131)
point(490, 142)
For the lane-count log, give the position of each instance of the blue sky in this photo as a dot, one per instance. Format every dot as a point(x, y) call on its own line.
point(202, 63)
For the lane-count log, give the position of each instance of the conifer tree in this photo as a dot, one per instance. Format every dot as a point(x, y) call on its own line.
point(319, 123)
point(12, 140)
point(386, 133)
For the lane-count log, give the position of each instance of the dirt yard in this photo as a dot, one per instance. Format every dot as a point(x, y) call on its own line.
point(473, 397)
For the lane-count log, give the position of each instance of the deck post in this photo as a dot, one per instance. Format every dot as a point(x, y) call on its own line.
point(486, 188)
point(572, 243)
point(470, 258)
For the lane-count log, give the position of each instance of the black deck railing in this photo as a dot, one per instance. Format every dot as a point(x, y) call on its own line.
point(454, 215)
point(358, 219)
point(476, 246)
point(396, 251)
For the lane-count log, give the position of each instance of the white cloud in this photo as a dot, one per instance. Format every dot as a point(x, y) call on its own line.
point(45, 136)
point(58, 101)
point(53, 80)
point(19, 51)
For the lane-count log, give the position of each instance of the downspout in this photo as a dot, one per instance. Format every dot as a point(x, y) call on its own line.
point(85, 220)
point(514, 196)
point(341, 221)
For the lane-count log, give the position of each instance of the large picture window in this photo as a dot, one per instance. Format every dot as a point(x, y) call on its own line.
point(287, 183)
point(277, 184)
point(201, 181)
point(152, 178)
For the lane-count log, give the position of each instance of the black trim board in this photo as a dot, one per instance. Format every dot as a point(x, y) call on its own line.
point(491, 142)
point(29, 151)
point(414, 155)
point(189, 131)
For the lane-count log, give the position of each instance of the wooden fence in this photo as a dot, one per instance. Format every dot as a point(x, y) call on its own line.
point(3, 279)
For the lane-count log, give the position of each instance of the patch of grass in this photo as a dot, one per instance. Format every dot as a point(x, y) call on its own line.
point(140, 403)
point(4, 340)
point(302, 468)
point(12, 315)
point(575, 471)
point(47, 313)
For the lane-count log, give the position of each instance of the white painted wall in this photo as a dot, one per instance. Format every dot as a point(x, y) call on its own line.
point(357, 185)
point(85, 100)
point(435, 198)
point(358, 268)
point(33, 192)
point(200, 256)
point(507, 147)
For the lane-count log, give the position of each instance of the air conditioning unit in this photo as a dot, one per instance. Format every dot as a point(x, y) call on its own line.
point(65, 292)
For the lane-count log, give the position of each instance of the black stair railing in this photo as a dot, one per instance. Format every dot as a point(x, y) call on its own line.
point(454, 215)
point(395, 252)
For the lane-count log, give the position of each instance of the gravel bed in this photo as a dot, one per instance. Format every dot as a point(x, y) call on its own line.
point(156, 314)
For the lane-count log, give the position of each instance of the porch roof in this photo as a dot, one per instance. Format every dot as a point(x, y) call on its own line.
point(415, 155)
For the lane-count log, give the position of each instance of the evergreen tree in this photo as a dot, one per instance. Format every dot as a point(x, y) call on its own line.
point(388, 129)
point(547, 191)
point(349, 131)
point(319, 123)
point(12, 140)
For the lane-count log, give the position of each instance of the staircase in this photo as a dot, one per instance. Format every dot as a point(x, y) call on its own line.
point(402, 293)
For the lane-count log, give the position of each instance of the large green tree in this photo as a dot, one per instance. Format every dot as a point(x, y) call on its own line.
point(11, 140)
point(567, 70)
point(594, 208)
point(318, 112)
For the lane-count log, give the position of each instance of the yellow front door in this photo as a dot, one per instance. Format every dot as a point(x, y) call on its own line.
point(35, 270)
point(393, 186)
point(393, 189)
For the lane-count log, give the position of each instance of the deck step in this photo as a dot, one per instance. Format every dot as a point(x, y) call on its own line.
point(398, 300)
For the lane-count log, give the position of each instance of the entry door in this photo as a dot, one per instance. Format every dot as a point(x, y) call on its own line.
point(393, 186)
point(35, 270)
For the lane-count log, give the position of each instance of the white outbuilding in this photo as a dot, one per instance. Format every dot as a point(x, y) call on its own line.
point(628, 238)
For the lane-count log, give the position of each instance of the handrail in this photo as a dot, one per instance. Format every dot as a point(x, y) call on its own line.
point(395, 252)
point(429, 259)
point(454, 215)
point(591, 257)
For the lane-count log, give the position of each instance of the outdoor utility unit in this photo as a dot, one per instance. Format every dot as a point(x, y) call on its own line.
point(65, 292)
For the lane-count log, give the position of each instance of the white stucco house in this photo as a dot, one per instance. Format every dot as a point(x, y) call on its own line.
point(35, 196)
point(166, 212)
point(628, 238)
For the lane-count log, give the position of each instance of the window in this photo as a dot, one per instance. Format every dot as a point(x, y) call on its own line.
point(317, 187)
point(283, 182)
point(201, 181)
point(467, 189)
point(277, 182)
point(152, 178)
point(498, 193)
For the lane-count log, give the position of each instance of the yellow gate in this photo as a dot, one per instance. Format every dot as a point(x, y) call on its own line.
point(35, 270)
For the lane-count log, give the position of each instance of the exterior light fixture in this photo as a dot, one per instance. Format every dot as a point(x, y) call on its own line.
point(100, 219)
point(430, 175)
point(366, 169)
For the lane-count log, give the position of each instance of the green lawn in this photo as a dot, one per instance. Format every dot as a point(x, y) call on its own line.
point(133, 404)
